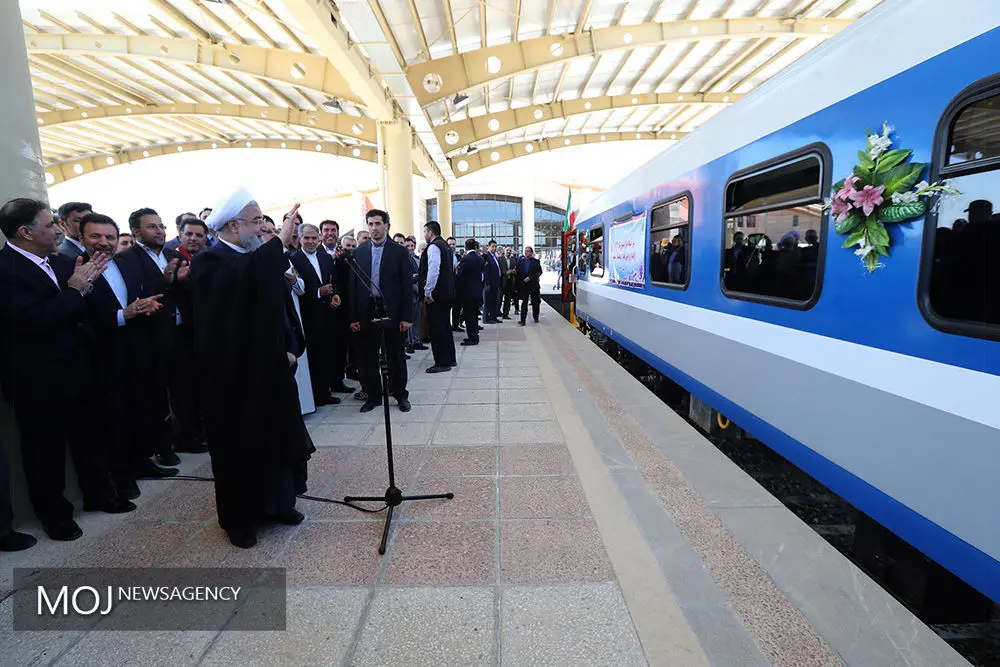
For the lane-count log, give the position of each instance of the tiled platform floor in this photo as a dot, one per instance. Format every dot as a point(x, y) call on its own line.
point(558, 548)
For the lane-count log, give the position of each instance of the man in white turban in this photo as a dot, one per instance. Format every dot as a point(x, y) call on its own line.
point(248, 340)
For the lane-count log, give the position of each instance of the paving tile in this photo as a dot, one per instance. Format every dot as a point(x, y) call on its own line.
point(538, 550)
point(569, 624)
point(373, 462)
point(542, 498)
point(125, 647)
point(458, 460)
point(333, 553)
point(527, 433)
point(521, 412)
point(415, 433)
point(461, 383)
point(519, 371)
point(340, 435)
point(428, 626)
point(472, 396)
point(325, 464)
point(30, 648)
point(484, 372)
point(523, 396)
point(424, 397)
point(348, 486)
point(536, 460)
point(320, 627)
point(482, 362)
point(465, 433)
point(447, 552)
point(136, 544)
point(475, 498)
point(469, 412)
point(184, 500)
point(417, 413)
point(430, 382)
point(521, 383)
point(211, 548)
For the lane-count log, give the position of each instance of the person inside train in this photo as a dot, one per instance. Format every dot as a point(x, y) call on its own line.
point(677, 261)
point(787, 275)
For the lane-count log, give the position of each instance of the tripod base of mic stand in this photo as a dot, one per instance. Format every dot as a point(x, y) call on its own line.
point(393, 498)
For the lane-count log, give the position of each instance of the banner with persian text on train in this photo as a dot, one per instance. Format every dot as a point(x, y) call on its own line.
point(627, 252)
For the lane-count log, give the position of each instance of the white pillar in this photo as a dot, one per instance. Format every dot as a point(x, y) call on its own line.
point(396, 168)
point(444, 211)
point(527, 219)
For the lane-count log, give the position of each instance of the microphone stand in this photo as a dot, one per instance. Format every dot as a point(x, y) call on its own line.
point(393, 497)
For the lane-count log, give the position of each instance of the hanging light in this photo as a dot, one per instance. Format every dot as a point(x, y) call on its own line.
point(332, 105)
point(460, 100)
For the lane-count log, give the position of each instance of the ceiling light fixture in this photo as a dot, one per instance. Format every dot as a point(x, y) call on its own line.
point(332, 105)
point(460, 100)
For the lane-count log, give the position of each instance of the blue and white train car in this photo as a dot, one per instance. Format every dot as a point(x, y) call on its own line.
point(885, 386)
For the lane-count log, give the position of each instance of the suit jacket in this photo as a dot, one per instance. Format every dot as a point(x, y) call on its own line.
point(43, 328)
point(493, 274)
point(164, 322)
point(395, 281)
point(173, 244)
point(529, 268)
point(68, 249)
point(469, 277)
point(316, 310)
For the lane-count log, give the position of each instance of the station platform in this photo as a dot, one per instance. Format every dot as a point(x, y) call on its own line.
point(590, 526)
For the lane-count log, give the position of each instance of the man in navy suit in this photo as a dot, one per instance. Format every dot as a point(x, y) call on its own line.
point(315, 266)
point(529, 271)
point(492, 280)
point(43, 326)
point(387, 266)
point(469, 289)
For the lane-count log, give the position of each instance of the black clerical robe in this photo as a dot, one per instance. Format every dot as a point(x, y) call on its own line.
point(244, 324)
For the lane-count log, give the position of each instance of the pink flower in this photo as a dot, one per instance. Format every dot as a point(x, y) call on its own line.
point(868, 198)
point(840, 208)
point(848, 188)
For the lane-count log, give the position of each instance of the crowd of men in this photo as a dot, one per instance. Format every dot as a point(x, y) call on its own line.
point(188, 337)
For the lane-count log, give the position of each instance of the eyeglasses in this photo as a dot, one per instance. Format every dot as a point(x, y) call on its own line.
point(255, 221)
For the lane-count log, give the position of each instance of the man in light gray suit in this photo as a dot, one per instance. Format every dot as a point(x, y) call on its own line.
point(70, 215)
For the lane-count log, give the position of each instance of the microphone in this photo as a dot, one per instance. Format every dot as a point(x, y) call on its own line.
point(381, 318)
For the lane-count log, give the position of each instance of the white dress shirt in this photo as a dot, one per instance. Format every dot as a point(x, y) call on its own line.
point(116, 282)
point(161, 263)
point(433, 268)
point(314, 261)
point(237, 248)
point(40, 262)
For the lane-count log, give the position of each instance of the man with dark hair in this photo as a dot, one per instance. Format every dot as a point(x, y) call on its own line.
point(529, 271)
point(194, 237)
point(43, 321)
point(175, 243)
point(506, 282)
point(125, 241)
point(329, 232)
point(385, 264)
point(437, 285)
point(492, 279)
point(295, 221)
point(205, 212)
point(399, 239)
point(70, 215)
point(456, 308)
point(469, 289)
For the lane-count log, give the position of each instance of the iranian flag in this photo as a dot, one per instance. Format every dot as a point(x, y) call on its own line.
point(570, 220)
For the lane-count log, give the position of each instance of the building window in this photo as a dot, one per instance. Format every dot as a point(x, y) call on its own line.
point(595, 251)
point(961, 271)
point(483, 217)
point(670, 247)
point(782, 203)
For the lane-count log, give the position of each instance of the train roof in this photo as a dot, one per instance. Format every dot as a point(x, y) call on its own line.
point(898, 33)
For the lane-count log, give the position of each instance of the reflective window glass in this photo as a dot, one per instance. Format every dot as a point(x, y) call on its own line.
point(670, 252)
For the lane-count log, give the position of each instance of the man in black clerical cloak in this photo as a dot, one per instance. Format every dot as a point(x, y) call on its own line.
point(247, 340)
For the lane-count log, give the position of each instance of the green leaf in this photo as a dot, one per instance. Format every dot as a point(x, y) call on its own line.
point(849, 224)
point(865, 160)
point(877, 234)
point(838, 186)
point(854, 238)
point(900, 178)
point(882, 250)
point(901, 212)
point(871, 261)
point(891, 159)
point(863, 174)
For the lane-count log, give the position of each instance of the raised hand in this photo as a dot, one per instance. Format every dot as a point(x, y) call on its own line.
point(146, 306)
point(84, 275)
point(288, 226)
point(184, 271)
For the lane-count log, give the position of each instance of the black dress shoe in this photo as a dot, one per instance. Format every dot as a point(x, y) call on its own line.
point(116, 506)
point(152, 471)
point(438, 369)
point(192, 447)
point(342, 389)
point(64, 531)
point(292, 518)
point(408, 357)
point(351, 374)
point(243, 538)
point(521, 323)
point(420, 346)
point(128, 490)
point(536, 320)
point(327, 400)
point(469, 342)
point(404, 404)
point(370, 405)
point(168, 459)
point(361, 396)
point(15, 541)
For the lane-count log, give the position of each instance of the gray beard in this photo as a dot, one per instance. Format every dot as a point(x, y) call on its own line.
point(250, 242)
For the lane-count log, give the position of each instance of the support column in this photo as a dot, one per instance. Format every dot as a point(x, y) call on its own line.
point(527, 219)
point(396, 166)
point(444, 211)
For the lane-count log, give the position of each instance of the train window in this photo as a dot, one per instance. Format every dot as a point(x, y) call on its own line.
point(595, 251)
point(669, 240)
point(962, 246)
point(774, 231)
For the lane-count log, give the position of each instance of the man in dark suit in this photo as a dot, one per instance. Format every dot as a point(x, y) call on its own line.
point(43, 325)
point(529, 271)
point(175, 243)
point(70, 215)
point(492, 279)
point(390, 295)
point(469, 289)
point(506, 269)
point(437, 290)
point(321, 297)
point(164, 272)
point(119, 312)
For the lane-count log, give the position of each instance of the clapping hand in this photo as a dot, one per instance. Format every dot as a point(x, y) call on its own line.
point(146, 306)
point(84, 275)
point(335, 301)
point(177, 269)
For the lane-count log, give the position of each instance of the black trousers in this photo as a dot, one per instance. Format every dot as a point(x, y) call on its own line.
point(456, 314)
point(370, 342)
point(6, 511)
point(442, 342)
point(183, 389)
point(471, 308)
point(319, 345)
point(534, 292)
point(491, 303)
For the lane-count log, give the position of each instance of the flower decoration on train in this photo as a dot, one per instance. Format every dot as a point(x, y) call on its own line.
point(882, 190)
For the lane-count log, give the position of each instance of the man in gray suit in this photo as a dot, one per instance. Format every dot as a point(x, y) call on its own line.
point(70, 215)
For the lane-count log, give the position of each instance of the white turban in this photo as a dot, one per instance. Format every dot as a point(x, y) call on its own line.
point(229, 207)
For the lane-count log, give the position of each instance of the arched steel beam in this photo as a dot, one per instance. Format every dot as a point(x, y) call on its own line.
point(304, 70)
point(459, 134)
point(462, 72)
point(64, 170)
point(488, 157)
point(362, 129)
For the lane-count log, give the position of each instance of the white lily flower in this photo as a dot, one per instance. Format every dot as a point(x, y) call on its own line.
point(922, 185)
point(904, 197)
point(864, 249)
